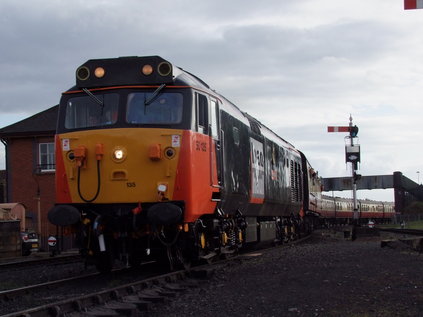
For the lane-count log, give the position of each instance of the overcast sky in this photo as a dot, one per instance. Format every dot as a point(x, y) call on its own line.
point(298, 66)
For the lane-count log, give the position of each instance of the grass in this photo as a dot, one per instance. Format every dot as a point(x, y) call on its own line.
point(414, 225)
point(408, 225)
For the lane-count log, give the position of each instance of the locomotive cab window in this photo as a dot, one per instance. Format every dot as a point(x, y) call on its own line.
point(91, 111)
point(145, 108)
point(202, 114)
point(214, 115)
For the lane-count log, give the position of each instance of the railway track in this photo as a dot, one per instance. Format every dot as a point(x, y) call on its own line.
point(413, 232)
point(403, 239)
point(41, 294)
point(71, 258)
point(120, 298)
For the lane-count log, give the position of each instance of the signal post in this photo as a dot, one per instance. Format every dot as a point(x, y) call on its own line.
point(352, 155)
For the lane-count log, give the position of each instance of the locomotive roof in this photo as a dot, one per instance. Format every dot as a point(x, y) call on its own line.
point(154, 70)
point(186, 78)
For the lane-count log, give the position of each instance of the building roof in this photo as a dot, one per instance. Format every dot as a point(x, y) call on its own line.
point(42, 123)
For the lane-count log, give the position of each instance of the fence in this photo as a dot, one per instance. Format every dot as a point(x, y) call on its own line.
point(407, 218)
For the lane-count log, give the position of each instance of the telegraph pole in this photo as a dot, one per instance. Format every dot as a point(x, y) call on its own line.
point(352, 155)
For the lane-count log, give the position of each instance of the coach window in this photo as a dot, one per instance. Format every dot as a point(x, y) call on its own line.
point(202, 114)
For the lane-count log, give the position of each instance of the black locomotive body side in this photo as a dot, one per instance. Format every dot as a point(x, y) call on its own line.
point(263, 174)
point(235, 163)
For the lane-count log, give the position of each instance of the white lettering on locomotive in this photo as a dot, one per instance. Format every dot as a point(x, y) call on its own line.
point(257, 169)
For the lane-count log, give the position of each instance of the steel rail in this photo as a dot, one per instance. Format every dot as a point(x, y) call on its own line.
point(139, 295)
point(414, 232)
point(64, 259)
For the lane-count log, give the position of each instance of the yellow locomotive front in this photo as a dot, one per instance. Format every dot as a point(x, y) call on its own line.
point(124, 144)
point(109, 164)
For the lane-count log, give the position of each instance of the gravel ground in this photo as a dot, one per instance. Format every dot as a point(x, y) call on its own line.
point(323, 277)
point(11, 278)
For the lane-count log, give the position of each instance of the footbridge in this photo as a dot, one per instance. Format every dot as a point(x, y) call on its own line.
point(405, 190)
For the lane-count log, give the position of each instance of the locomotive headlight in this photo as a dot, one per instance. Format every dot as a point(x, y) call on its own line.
point(119, 154)
point(99, 72)
point(162, 188)
point(147, 69)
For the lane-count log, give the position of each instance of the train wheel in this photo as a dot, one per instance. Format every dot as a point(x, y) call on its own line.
point(104, 262)
point(228, 252)
point(183, 259)
point(185, 251)
point(135, 259)
point(104, 259)
point(176, 258)
point(138, 251)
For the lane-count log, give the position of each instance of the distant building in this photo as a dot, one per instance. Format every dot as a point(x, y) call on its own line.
point(30, 167)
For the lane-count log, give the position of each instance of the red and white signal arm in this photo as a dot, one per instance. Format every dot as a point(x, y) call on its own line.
point(413, 4)
point(52, 241)
point(339, 129)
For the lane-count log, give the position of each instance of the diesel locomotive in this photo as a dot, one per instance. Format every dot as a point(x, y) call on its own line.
point(151, 162)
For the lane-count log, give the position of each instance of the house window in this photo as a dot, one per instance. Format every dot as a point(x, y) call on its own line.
point(46, 159)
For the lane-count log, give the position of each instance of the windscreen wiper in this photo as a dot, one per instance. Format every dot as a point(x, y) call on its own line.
point(89, 93)
point(154, 95)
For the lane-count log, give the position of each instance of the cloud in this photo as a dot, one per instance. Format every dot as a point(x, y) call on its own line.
point(298, 66)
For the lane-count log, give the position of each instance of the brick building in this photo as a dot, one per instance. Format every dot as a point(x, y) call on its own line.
point(3, 198)
point(30, 167)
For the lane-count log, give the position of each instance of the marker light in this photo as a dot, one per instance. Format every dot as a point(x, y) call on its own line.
point(147, 69)
point(99, 72)
point(164, 68)
point(169, 152)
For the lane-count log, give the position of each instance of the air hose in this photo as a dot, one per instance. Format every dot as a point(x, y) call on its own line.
point(98, 184)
